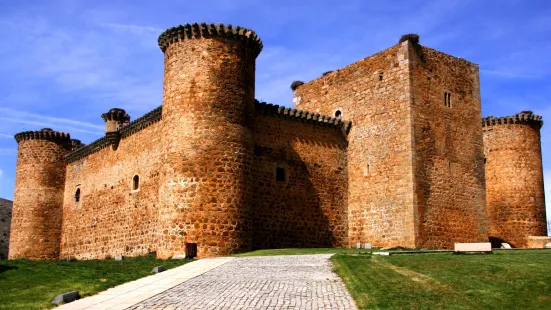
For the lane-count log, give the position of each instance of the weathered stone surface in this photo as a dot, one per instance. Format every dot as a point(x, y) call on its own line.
point(5, 223)
point(387, 150)
point(38, 196)
point(406, 148)
point(538, 242)
point(514, 178)
point(473, 247)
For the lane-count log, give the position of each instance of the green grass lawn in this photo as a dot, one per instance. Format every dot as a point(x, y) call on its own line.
point(502, 280)
point(26, 284)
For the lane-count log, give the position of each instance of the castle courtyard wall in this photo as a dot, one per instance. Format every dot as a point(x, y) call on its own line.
point(374, 93)
point(309, 207)
point(449, 157)
point(111, 219)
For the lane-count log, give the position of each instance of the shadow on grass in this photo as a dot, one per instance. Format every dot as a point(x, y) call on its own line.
point(4, 268)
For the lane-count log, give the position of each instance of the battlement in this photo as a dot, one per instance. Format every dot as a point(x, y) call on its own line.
point(140, 123)
point(80, 151)
point(44, 134)
point(299, 115)
point(524, 117)
point(116, 114)
point(204, 30)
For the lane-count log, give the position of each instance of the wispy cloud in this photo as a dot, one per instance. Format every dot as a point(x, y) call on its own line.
point(3, 135)
point(506, 74)
point(57, 123)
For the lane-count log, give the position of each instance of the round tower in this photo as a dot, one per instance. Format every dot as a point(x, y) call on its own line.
point(38, 196)
point(514, 178)
point(208, 107)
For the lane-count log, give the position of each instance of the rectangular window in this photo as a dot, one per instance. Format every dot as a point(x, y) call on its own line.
point(280, 174)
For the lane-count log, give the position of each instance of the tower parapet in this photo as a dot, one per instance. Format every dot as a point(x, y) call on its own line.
point(38, 195)
point(514, 178)
point(524, 117)
point(208, 110)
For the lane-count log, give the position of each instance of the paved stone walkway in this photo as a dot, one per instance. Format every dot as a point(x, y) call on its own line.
point(274, 282)
point(131, 293)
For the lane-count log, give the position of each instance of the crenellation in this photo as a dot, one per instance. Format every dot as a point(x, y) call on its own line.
point(214, 166)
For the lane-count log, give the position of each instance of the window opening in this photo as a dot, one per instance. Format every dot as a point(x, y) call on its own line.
point(380, 76)
point(280, 174)
point(338, 114)
point(77, 195)
point(135, 183)
point(448, 99)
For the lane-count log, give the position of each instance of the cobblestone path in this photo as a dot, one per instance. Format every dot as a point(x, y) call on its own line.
point(269, 282)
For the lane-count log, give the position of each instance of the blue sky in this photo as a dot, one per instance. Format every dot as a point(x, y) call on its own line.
point(63, 63)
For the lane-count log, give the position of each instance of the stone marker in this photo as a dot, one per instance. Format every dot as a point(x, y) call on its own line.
point(381, 253)
point(66, 297)
point(119, 258)
point(367, 246)
point(358, 245)
point(158, 269)
point(179, 256)
point(473, 247)
point(506, 245)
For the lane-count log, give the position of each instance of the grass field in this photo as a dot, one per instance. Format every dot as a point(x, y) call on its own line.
point(28, 284)
point(502, 280)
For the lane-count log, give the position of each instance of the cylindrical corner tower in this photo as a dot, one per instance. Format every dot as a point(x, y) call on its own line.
point(208, 105)
point(38, 196)
point(514, 178)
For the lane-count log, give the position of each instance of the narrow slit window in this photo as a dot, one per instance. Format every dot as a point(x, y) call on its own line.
point(135, 183)
point(280, 174)
point(380, 76)
point(77, 195)
point(448, 99)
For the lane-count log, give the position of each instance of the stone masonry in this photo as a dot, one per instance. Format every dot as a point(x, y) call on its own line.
point(514, 178)
point(388, 150)
point(5, 223)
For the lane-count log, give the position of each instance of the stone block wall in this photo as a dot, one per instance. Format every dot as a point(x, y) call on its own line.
point(448, 148)
point(514, 178)
point(111, 218)
point(373, 93)
point(38, 196)
point(5, 223)
point(307, 206)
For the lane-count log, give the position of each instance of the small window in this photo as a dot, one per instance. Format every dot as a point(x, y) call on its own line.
point(448, 99)
point(338, 114)
point(77, 195)
point(280, 174)
point(380, 76)
point(135, 183)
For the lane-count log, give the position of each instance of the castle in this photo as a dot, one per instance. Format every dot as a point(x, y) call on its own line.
point(391, 150)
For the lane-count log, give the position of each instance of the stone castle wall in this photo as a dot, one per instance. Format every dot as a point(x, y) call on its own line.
point(38, 196)
point(5, 223)
point(449, 159)
point(373, 93)
point(111, 218)
point(387, 150)
point(208, 106)
point(306, 208)
point(514, 179)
